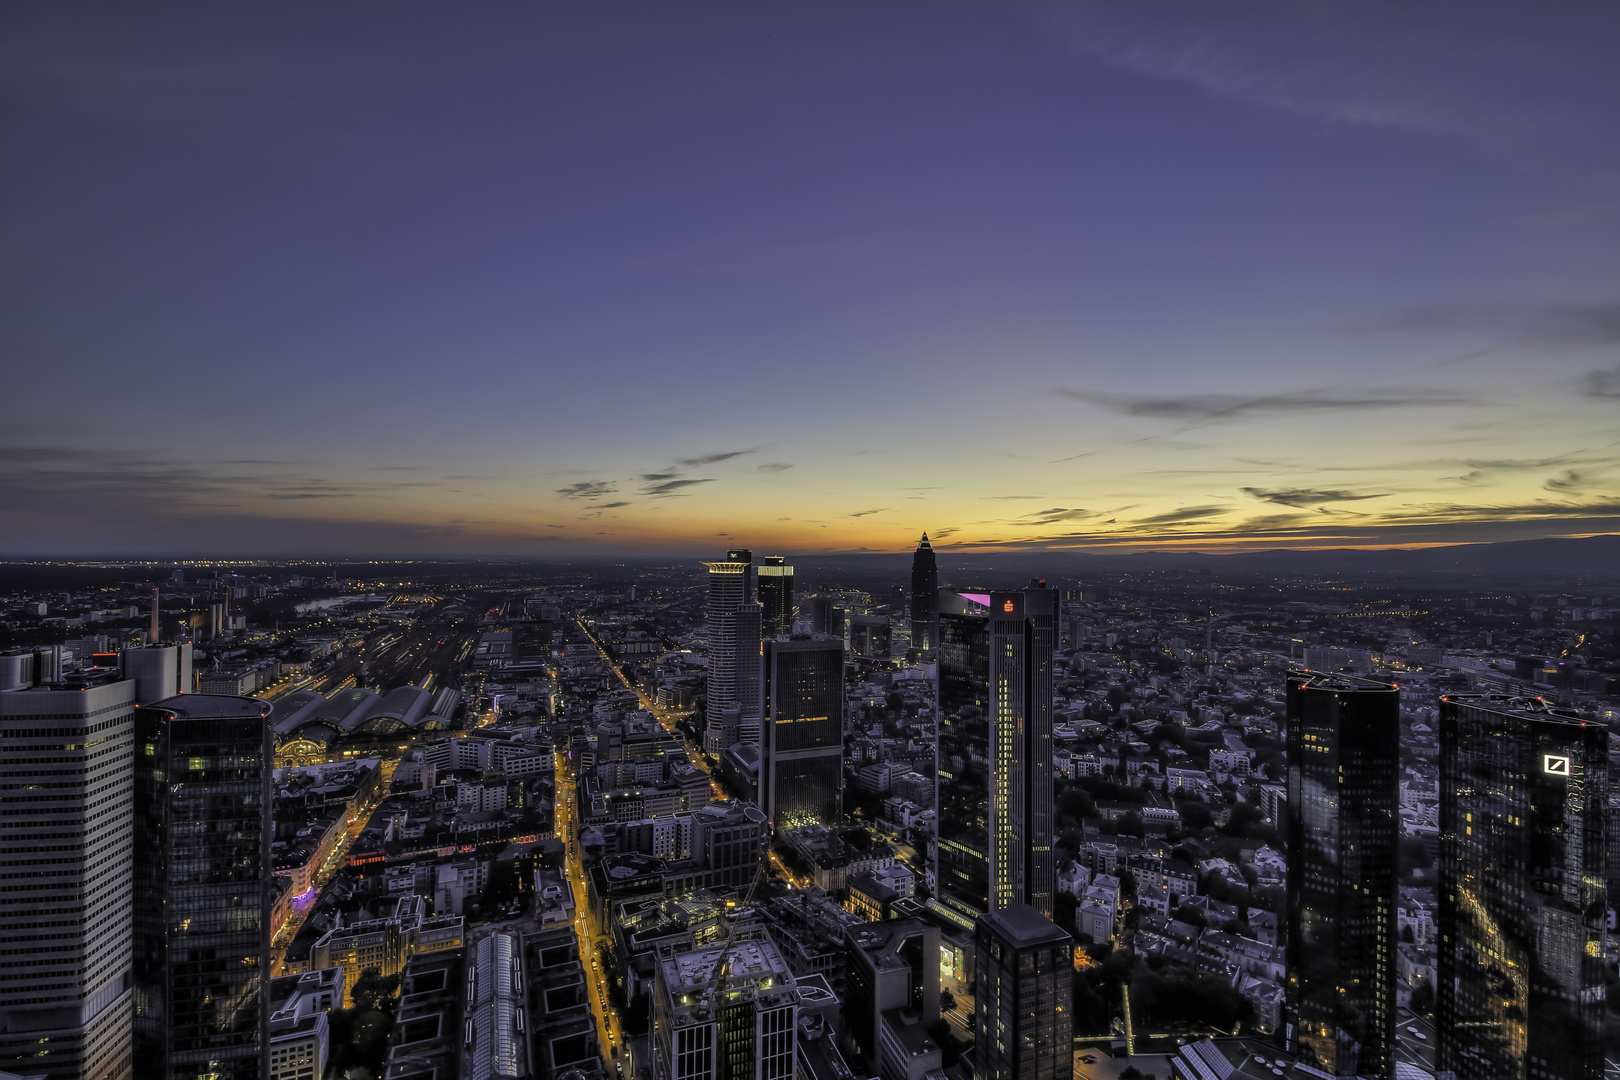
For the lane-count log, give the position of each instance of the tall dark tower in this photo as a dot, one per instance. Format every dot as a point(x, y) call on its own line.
point(924, 598)
point(202, 888)
point(993, 786)
point(1022, 1019)
point(1344, 748)
point(732, 625)
point(801, 772)
point(1523, 891)
point(775, 597)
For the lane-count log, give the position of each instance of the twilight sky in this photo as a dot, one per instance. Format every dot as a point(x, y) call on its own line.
point(574, 278)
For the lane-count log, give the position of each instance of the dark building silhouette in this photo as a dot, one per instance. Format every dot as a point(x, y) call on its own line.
point(1343, 789)
point(870, 637)
point(802, 763)
point(993, 788)
point(892, 996)
point(202, 897)
point(924, 597)
point(732, 625)
point(1523, 890)
point(1023, 1018)
point(775, 596)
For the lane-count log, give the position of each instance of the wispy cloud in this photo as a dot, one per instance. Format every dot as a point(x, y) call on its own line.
point(1567, 325)
point(774, 466)
point(1182, 516)
point(864, 513)
point(588, 489)
point(1308, 497)
point(613, 505)
point(1055, 515)
point(670, 487)
point(1603, 383)
point(1410, 67)
point(711, 459)
point(1207, 407)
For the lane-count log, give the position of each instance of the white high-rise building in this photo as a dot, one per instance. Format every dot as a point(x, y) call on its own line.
point(67, 845)
point(735, 671)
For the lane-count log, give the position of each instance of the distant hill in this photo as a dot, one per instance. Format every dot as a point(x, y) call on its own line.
point(1595, 556)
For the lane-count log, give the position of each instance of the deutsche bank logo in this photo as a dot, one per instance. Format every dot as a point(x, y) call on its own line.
point(1555, 764)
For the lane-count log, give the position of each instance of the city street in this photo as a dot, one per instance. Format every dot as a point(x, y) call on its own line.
point(591, 937)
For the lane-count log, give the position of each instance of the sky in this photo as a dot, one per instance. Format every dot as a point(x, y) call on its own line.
point(560, 280)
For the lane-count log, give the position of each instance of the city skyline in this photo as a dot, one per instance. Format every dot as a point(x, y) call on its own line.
point(305, 282)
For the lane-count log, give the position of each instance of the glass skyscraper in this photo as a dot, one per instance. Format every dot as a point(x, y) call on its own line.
point(202, 899)
point(993, 769)
point(924, 598)
point(1023, 1021)
point(1344, 737)
point(65, 919)
point(775, 597)
point(802, 760)
point(732, 625)
point(1523, 891)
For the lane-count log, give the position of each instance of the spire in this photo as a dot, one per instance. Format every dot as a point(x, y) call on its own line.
point(925, 542)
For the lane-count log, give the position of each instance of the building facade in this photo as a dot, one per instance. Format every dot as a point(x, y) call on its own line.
point(1023, 1017)
point(202, 888)
point(1523, 890)
point(993, 841)
point(69, 789)
point(735, 700)
point(1343, 839)
point(726, 1013)
point(775, 596)
point(801, 775)
point(924, 598)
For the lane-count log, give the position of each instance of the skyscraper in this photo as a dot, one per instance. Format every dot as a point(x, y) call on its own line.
point(1343, 789)
point(734, 703)
point(892, 995)
point(775, 596)
point(924, 598)
point(993, 841)
point(1023, 1019)
point(725, 1013)
point(202, 898)
point(801, 770)
point(1523, 890)
point(64, 990)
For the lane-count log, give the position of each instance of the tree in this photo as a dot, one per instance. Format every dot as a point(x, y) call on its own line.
point(373, 991)
point(1423, 999)
point(947, 1001)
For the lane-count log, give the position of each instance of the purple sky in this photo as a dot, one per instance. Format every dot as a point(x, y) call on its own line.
point(596, 278)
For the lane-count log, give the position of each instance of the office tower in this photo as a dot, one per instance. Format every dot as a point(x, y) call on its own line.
point(775, 596)
point(1343, 789)
point(801, 775)
point(202, 898)
point(64, 989)
point(891, 996)
point(733, 626)
point(870, 637)
point(924, 598)
point(1023, 1018)
point(1523, 891)
point(993, 840)
point(159, 671)
point(725, 1013)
